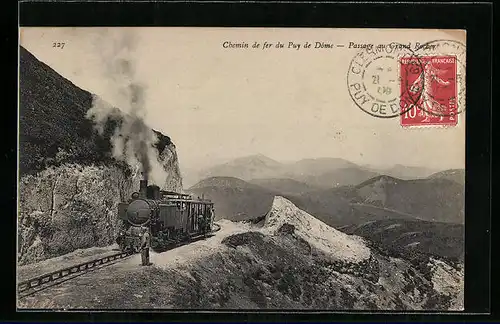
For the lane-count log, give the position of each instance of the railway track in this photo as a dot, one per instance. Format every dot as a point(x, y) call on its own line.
point(36, 284)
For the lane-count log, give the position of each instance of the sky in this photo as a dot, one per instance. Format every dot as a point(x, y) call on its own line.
point(220, 103)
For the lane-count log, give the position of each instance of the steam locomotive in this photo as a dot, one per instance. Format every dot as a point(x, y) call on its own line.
point(170, 217)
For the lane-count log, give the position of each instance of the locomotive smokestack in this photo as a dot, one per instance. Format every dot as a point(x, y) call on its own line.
point(143, 188)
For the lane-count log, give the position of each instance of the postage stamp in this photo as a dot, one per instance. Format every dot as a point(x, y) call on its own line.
point(436, 88)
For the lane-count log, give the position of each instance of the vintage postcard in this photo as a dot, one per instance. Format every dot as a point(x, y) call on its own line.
point(241, 168)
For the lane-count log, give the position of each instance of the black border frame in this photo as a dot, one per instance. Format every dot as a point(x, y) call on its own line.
point(475, 18)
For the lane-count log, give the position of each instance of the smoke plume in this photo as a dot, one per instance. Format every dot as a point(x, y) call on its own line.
point(132, 140)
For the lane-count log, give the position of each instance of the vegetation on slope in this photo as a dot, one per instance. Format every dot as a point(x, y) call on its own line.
point(53, 128)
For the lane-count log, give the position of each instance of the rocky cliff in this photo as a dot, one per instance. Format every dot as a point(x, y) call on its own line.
point(340, 246)
point(69, 179)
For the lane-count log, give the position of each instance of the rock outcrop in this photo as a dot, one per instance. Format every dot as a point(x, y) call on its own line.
point(340, 246)
point(70, 183)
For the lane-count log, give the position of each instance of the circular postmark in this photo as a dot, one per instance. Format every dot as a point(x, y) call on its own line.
point(374, 79)
point(443, 78)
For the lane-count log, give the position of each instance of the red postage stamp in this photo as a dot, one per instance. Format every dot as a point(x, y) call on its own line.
point(429, 91)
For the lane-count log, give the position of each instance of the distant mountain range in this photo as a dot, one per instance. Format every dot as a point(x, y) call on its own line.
point(457, 175)
point(338, 177)
point(321, 173)
point(407, 172)
point(246, 168)
point(380, 198)
point(284, 186)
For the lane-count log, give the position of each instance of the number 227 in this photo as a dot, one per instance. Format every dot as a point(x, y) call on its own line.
point(59, 45)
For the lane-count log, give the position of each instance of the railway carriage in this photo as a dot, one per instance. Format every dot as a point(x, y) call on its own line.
point(170, 216)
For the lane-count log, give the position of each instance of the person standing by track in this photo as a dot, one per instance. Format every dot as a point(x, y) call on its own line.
point(202, 225)
point(145, 244)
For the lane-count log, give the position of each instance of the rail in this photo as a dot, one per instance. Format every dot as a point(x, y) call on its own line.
point(32, 285)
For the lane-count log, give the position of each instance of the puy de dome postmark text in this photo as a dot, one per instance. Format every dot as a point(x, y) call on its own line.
point(374, 81)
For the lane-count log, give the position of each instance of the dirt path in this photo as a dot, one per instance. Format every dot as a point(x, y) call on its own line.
point(185, 254)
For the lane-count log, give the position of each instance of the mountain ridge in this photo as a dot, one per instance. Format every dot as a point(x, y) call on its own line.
point(457, 175)
point(284, 185)
point(63, 106)
point(322, 172)
point(381, 197)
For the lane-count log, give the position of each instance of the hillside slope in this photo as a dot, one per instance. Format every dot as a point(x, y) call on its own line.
point(457, 175)
point(70, 183)
point(349, 176)
point(245, 168)
point(292, 262)
point(317, 166)
point(413, 238)
point(319, 172)
point(315, 172)
point(407, 172)
point(338, 207)
point(224, 182)
point(428, 199)
point(379, 198)
point(234, 198)
point(284, 186)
